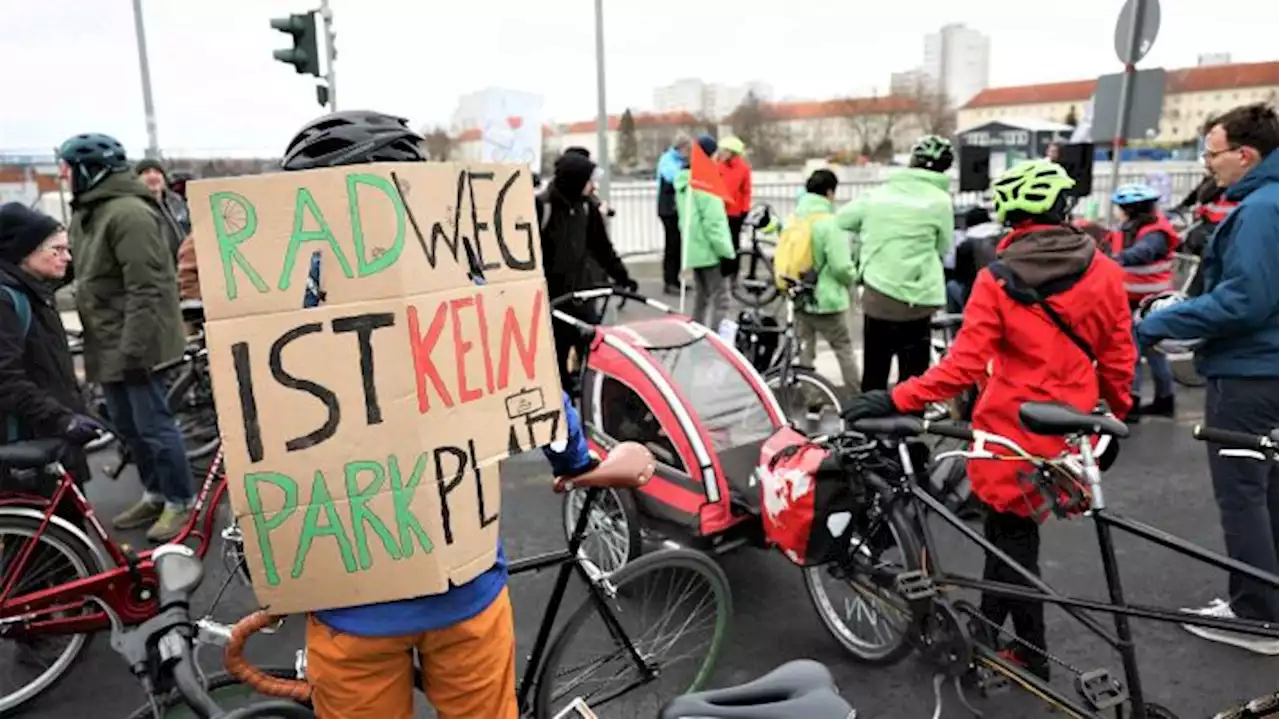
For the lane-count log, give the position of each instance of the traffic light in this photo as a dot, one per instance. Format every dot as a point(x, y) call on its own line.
point(303, 55)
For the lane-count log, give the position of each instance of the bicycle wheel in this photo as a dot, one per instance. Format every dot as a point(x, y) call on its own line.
point(872, 623)
point(812, 402)
point(753, 284)
point(1185, 374)
point(607, 676)
point(613, 530)
point(59, 557)
point(225, 690)
point(194, 413)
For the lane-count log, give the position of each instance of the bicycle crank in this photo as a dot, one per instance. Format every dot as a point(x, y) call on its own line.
point(944, 642)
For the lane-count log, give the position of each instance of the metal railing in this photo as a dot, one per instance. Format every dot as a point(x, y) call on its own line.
point(635, 229)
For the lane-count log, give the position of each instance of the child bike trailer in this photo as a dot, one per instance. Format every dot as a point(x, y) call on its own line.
point(701, 408)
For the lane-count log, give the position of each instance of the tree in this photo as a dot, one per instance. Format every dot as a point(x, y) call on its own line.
point(755, 128)
point(933, 111)
point(628, 149)
point(873, 121)
point(1072, 118)
point(439, 144)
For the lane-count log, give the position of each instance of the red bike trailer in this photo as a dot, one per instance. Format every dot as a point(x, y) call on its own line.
point(702, 409)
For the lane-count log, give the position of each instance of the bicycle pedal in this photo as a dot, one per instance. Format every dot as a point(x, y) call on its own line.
point(915, 584)
point(990, 684)
point(1100, 690)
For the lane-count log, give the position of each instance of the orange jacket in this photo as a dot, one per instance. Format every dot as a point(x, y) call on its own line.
point(736, 173)
point(188, 274)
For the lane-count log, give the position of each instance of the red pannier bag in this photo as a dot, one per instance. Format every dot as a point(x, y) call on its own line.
point(807, 505)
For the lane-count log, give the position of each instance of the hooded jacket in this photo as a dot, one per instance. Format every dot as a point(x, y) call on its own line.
point(736, 173)
point(575, 240)
point(905, 227)
point(126, 283)
point(1030, 359)
point(832, 257)
point(1236, 313)
point(704, 226)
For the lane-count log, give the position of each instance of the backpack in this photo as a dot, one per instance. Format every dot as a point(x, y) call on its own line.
point(22, 306)
point(793, 258)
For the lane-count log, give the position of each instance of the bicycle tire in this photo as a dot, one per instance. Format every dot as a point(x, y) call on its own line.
point(806, 376)
point(90, 566)
point(908, 542)
point(625, 501)
point(221, 681)
point(1185, 374)
point(769, 292)
point(663, 559)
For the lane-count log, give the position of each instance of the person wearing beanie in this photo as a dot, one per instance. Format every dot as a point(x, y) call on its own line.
point(127, 296)
point(575, 245)
point(153, 175)
point(39, 394)
point(736, 173)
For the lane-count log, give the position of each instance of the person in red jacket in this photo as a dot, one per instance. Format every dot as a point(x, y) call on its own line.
point(1144, 246)
point(736, 173)
point(1037, 320)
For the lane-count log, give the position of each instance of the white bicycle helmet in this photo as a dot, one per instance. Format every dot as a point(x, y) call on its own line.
point(1156, 303)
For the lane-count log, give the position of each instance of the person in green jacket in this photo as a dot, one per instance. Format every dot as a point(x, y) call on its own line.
point(904, 229)
point(828, 313)
point(708, 247)
point(127, 295)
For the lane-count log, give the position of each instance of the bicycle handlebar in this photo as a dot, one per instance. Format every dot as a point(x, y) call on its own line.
point(1235, 440)
point(605, 293)
point(242, 669)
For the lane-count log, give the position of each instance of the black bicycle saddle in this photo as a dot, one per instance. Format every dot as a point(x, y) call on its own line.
point(802, 689)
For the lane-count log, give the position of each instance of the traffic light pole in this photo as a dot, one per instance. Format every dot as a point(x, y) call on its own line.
point(330, 76)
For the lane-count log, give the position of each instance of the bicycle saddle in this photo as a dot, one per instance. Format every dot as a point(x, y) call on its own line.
point(192, 311)
point(1053, 418)
point(802, 689)
point(629, 465)
point(31, 454)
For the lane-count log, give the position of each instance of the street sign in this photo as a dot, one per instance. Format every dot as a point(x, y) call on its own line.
point(1147, 29)
point(1146, 100)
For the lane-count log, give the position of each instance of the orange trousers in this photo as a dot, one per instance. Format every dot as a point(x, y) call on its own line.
point(468, 670)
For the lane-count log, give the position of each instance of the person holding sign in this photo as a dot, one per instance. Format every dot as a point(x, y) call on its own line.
point(360, 659)
point(127, 296)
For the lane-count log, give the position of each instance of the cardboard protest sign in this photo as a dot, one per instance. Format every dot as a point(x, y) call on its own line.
point(362, 437)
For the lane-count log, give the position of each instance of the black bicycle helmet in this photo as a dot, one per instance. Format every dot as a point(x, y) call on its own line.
point(92, 156)
point(353, 137)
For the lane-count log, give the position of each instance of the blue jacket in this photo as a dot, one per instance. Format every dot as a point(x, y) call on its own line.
point(1237, 313)
point(424, 614)
point(669, 165)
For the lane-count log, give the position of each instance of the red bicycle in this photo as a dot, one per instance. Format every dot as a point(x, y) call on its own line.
point(49, 565)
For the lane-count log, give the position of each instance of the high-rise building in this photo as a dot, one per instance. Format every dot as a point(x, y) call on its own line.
point(713, 100)
point(958, 59)
point(910, 82)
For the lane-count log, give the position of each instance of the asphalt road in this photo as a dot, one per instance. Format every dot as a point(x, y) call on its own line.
point(1161, 478)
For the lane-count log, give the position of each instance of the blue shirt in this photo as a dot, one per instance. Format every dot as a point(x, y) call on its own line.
point(436, 611)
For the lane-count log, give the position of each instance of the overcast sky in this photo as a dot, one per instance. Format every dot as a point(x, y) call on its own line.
point(71, 65)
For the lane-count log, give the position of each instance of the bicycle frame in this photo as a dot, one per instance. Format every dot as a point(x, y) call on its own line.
point(1040, 591)
point(568, 562)
point(128, 586)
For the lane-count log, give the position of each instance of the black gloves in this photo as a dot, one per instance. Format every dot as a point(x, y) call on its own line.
point(629, 285)
point(82, 430)
point(875, 403)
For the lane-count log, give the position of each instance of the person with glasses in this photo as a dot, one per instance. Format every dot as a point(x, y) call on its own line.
point(39, 395)
point(1236, 316)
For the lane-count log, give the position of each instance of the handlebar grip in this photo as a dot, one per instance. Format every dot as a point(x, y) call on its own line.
point(1231, 438)
point(950, 429)
point(251, 676)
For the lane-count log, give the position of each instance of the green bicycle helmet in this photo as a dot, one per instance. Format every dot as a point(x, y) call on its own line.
point(932, 152)
point(1035, 187)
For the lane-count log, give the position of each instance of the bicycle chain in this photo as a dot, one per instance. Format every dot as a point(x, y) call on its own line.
point(975, 613)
